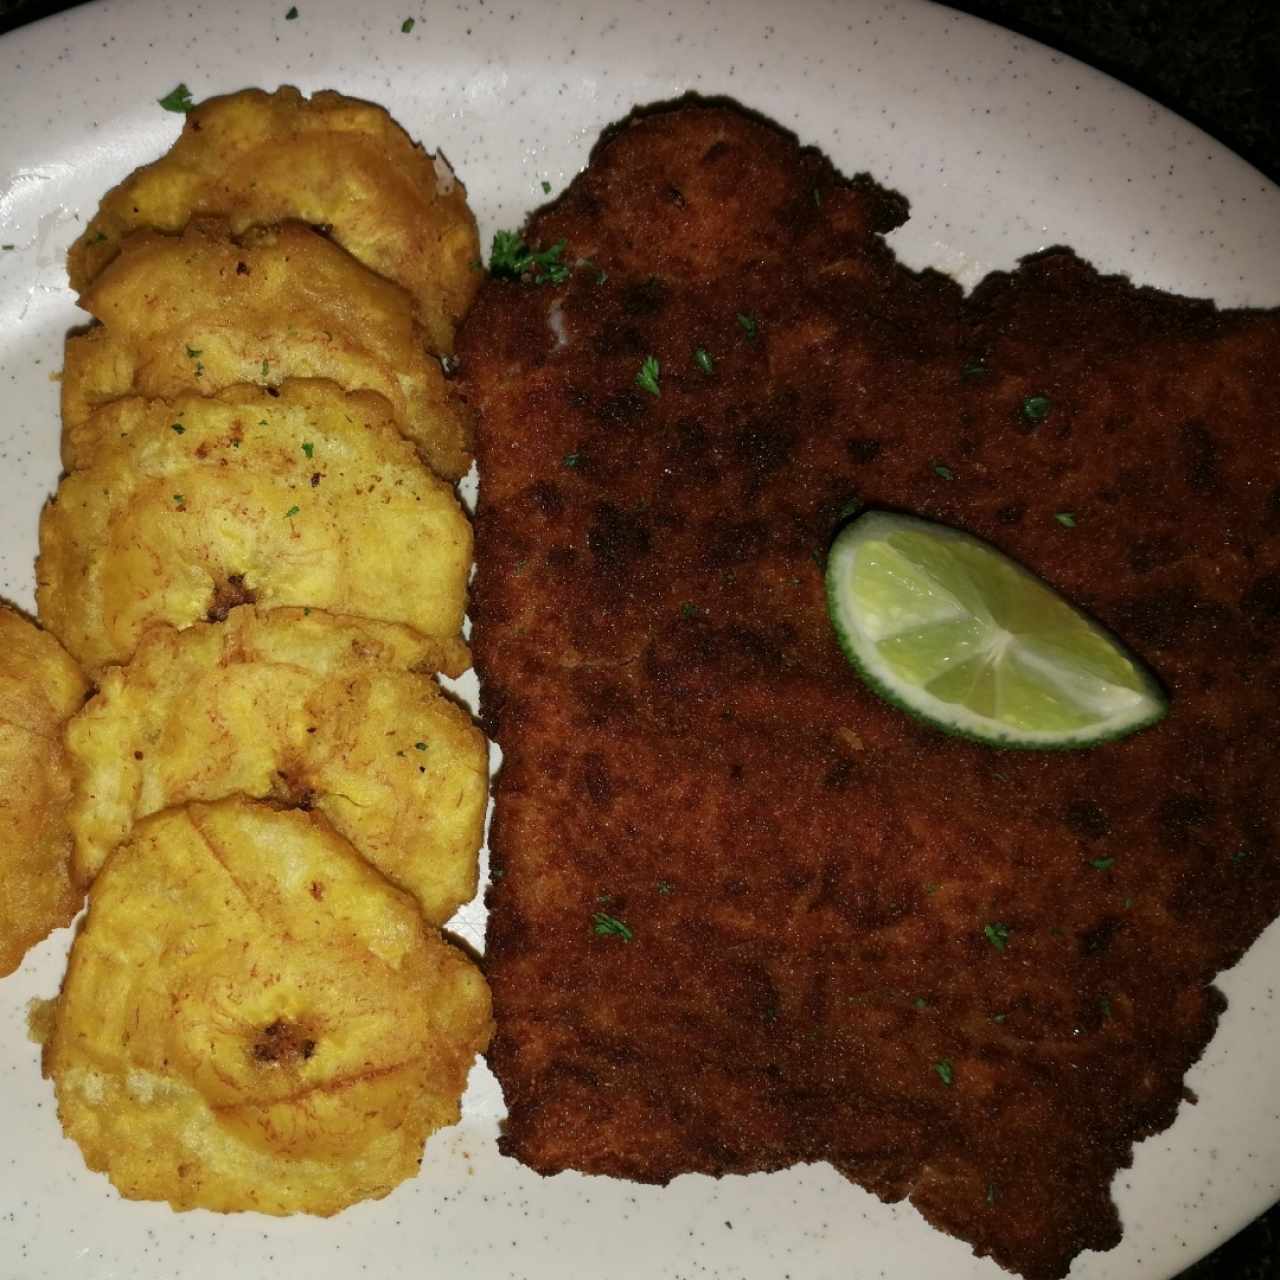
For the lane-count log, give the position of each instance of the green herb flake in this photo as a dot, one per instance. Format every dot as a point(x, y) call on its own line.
point(293, 511)
point(407, 25)
point(1240, 855)
point(8, 248)
point(974, 369)
point(920, 1002)
point(193, 353)
point(999, 1018)
point(1066, 519)
point(991, 1193)
point(1105, 1006)
point(688, 610)
point(664, 887)
point(177, 428)
point(292, 14)
point(647, 378)
point(1102, 864)
point(1128, 904)
point(748, 325)
point(610, 926)
point(178, 100)
point(1036, 408)
point(946, 1072)
point(511, 259)
point(99, 238)
point(265, 368)
point(931, 889)
point(572, 460)
point(817, 198)
point(308, 448)
point(419, 746)
point(702, 358)
point(996, 934)
point(942, 471)
point(546, 187)
point(179, 499)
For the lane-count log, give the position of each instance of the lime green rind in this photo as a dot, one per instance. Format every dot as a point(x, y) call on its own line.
point(942, 716)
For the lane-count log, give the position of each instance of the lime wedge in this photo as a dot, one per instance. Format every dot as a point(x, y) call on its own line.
point(943, 625)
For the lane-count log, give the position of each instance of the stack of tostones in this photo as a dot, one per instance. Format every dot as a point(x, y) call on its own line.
point(258, 555)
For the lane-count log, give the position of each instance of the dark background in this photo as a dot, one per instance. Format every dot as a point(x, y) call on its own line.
point(1216, 62)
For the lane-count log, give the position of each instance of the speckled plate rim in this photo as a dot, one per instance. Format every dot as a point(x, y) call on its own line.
point(1003, 147)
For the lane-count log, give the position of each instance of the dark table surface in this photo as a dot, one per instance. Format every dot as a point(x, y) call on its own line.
point(1216, 62)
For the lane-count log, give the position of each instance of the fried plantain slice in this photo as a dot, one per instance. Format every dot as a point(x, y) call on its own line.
point(253, 1018)
point(297, 495)
point(40, 687)
point(308, 708)
point(332, 161)
point(270, 304)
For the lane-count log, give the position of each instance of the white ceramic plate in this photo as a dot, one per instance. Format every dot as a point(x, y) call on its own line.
point(1002, 148)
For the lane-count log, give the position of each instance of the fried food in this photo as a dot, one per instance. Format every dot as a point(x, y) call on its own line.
point(335, 162)
point(196, 313)
point(40, 687)
point(748, 914)
point(333, 713)
point(297, 495)
point(253, 1018)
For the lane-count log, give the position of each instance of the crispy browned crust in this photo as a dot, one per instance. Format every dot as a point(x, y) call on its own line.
point(806, 872)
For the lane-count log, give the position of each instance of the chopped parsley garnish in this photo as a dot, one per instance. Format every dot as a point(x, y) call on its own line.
point(572, 460)
point(1105, 1005)
point(419, 746)
point(817, 198)
point(942, 471)
point(664, 886)
point(178, 100)
point(308, 448)
point(606, 925)
point(1102, 864)
point(688, 610)
point(991, 1193)
point(931, 889)
point(702, 358)
point(99, 238)
point(1240, 855)
point(293, 13)
point(749, 326)
point(946, 1072)
point(647, 378)
point(1066, 519)
point(178, 428)
point(997, 935)
point(293, 511)
point(8, 247)
point(974, 369)
point(999, 1017)
point(511, 259)
point(920, 1002)
point(192, 353)
point(265, 367)
point(407, 25)
point(1036, 408)
point(546, 187)
point(179, 499)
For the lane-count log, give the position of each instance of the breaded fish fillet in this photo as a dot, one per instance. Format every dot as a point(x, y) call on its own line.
point(253, 1018)
point(196, 313)
point(335, 162)
point(40, 687)
point(746, 914)
point(301, 495)
point(334, 713)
